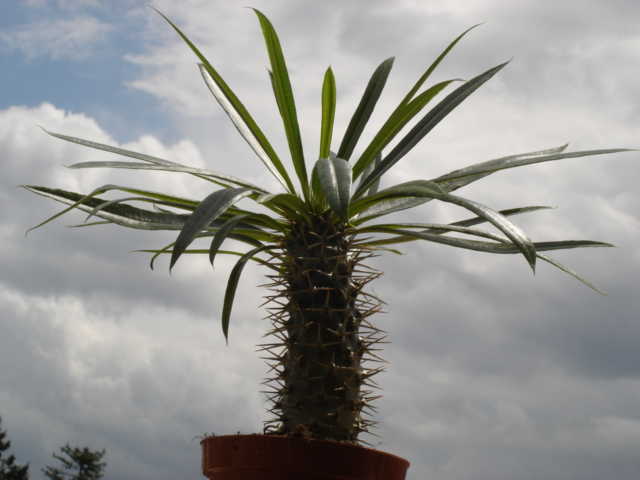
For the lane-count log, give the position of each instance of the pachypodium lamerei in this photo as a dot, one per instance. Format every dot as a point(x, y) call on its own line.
point(320, 233)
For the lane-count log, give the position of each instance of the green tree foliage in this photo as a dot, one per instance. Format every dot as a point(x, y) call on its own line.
point(9, 470)
point(77, 464)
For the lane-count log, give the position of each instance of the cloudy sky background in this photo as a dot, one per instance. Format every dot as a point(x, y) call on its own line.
point(495, 373)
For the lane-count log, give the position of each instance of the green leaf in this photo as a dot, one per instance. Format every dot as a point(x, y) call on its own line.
point(373, 189)
point(398, 229)
point(109, 148)
point(284, 98)
point(228, 180)
point(291, 206)
point(512, 231)
point(464, 176)
point(499, 248)
point(120, 214)
point(246, 125)
point(428, 122)
point(334, 176)
point(232, 286)
point(365, 108)
point(430, 70)
point(394, 125)
point(328, 112)
point(245, 120)
point(414, 190)
point(507, 213)
point(422, 188)
point(209, 209)
point(571, 272)
point(223, 233)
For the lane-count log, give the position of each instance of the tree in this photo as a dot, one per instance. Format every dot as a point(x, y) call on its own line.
point(77, 464)
point(8, 468)
point(321, 231)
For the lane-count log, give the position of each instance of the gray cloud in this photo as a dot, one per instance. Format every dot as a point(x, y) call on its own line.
point(494, 372)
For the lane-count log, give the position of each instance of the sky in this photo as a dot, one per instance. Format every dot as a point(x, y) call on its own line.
point(494, 373)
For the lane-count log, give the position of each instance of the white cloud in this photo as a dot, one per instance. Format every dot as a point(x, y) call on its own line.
point(58, 39)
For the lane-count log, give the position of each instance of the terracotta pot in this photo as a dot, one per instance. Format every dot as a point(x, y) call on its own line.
point(267, 457)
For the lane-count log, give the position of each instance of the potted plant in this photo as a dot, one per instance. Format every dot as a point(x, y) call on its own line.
point(315, 239)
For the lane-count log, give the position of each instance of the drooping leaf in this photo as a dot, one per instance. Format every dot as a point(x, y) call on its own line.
point(365, 108)
point(512, 231)
point(232, 286)
point(208, 210)
point(499, 248)
point(571, 272)
point(423, 188)
point(224, 231)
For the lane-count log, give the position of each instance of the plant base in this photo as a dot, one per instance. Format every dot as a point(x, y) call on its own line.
point(266, 457)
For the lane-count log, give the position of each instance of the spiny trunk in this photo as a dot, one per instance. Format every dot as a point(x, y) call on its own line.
point(323, 337)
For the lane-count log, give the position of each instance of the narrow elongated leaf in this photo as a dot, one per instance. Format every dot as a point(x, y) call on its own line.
point(512, 231)
point(431, 68)
point(571, 272)
point(469, 174)
point(290, 205)
point(228, 180)
point(401, 115)
point(506, 213)
point(328, 112)
point(284, 98)
point(319, 201)
point(394, 125)
point(423, 189)
point(232, 286)
point(501, 246)
point(334, 176)
point(373, 189)
point(400, 227)
point(223, 233)
point(109, 148)
point(246, 125)
point(365, 108)
point(194, 251)
point(389, 206)
point(120, 214)
point(209, 209)
point(453, 182)
point(428, 122)
point(103, 205)
point(239, 108)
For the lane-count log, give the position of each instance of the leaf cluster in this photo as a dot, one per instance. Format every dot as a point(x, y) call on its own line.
point(343, 187)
